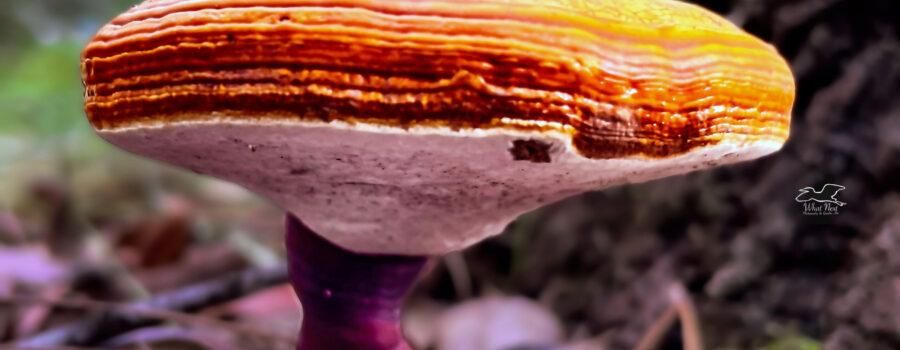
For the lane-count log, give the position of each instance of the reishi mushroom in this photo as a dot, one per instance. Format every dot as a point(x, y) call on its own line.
point(403, 129)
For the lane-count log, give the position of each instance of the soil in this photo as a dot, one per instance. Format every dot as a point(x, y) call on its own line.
point(759, 270)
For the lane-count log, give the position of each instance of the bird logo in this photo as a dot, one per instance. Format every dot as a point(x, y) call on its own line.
point(826, 195)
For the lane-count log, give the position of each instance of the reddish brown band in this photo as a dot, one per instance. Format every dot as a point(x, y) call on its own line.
point(619, 87)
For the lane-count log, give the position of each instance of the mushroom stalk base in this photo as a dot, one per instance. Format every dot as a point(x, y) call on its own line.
point(350, 300)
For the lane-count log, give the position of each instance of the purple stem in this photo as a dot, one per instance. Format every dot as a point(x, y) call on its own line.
point(350, 300)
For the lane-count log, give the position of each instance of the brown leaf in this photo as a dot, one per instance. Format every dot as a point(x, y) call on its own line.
point(199, 263)
point(157, 242)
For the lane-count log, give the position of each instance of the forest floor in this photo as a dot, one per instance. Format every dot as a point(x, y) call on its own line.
point(85, 233)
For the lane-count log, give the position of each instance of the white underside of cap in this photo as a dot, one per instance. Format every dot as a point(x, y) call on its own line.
point(388, 190)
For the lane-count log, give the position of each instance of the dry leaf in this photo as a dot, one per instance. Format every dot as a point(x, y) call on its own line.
point(497, 323)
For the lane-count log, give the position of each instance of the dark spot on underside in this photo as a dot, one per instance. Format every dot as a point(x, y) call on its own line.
point(299, 171)
point(531, 150)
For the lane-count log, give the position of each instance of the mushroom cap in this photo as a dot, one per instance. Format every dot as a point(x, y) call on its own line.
point(422, 127)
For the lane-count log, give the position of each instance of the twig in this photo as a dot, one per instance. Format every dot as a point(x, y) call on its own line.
point(141, 337)
point(682, 309)
point(175, 316)
point(117, 320)
point(9, 347)
point(687, 314)
point(459, 274)
point(657, 332)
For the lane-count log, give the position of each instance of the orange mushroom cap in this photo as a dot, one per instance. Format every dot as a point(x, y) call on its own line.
point(422, 100)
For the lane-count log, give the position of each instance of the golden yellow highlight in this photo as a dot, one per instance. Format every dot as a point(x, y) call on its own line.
point(623, 78)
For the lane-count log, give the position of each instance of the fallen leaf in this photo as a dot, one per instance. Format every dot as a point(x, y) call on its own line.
point(496, 323)
point(29, 265)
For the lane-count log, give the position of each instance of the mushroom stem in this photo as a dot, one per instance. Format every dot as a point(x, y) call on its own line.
point(350, 300)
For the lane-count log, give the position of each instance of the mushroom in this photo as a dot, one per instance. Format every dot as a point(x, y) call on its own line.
point(399, 130)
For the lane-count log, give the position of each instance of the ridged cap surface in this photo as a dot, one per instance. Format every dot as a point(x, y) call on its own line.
point(543, 99)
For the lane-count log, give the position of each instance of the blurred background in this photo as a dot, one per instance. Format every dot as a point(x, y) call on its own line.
point(102, 248)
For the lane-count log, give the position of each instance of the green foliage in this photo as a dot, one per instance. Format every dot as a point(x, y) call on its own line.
point(794, 343)
point(40, 46)
point(41, 91)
